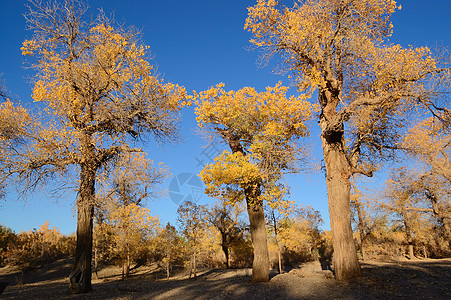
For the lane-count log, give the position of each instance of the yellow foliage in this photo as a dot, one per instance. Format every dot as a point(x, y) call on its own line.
point(266, 126)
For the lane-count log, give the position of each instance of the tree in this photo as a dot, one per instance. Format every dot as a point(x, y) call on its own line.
point(133, 227)
point(224, 218)
point(100, 94)
point(430, 142)
point(193, 220)
point(274, 218)
point(403, 201)
point(119, 210)
point(168, 247)
point(261, 130)
point(7, 237)
point(299, 232)
point(341, 49)
point(369, 219)
point(14, 119)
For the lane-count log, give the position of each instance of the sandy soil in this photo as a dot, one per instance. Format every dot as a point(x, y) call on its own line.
point(421, 279)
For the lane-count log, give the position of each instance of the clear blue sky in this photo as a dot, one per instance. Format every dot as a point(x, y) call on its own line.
point(196, 44)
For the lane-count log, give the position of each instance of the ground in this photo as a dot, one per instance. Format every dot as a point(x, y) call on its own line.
point(420, 279)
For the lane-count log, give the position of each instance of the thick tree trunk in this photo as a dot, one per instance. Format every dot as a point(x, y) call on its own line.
point(260, 264)
point(408, 235)
point(442, 215)
point(411, 253)
point(225, 248)
point(345, 260)
point(80, 277)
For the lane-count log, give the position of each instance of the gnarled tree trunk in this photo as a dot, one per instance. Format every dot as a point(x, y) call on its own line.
point(442, 214)
point(260, 264)
point(345, 260)
point(225, 248)
point(408, 235)
point(80, 277)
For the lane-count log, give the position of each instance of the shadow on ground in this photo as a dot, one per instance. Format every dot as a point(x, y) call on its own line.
point(429, 279)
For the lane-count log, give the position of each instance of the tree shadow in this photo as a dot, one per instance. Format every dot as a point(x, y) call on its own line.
point(420, 280)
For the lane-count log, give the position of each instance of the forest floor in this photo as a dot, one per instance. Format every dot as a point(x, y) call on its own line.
point(418, 279)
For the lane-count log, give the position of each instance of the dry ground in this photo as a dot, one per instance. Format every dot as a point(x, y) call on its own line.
point(421, 279)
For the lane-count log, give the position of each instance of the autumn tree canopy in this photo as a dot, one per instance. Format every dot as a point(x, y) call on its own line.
point(341, 50)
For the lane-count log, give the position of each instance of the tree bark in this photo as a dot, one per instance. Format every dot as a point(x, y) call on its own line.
point(277, 240)
point(345, 261)
point(167, 270)
point(444, 217)
point(195, 266)
point(96, 260)
point(225, 248)
point(260, 264)
point(80, 277)
point(361, 226)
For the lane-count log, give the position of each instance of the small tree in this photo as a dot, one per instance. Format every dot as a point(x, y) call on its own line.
point(133, 228)
point(430, 142)
point(119, 212)
point(224, 217)
point(168, 247)
point(403, 202)
point(193, 220)
point(100, 94)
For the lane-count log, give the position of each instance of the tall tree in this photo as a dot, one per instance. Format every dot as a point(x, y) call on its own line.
point(261, 130)
point(341, 49)
point(100, 94)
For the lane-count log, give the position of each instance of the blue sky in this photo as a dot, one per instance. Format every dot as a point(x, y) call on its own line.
point(196, 44)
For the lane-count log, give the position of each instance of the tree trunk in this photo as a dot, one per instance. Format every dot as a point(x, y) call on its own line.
point(411, 253)
point(277, 240)
point(260, 264)
point(194, 266)
point(447, 225)
point(345, 261)
point(80, 277)
point(361, 227)
point(442, 215)
point(408, 234)
point(126, 265)
point(225, 248)
point(96, 259)
point(167, 270)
